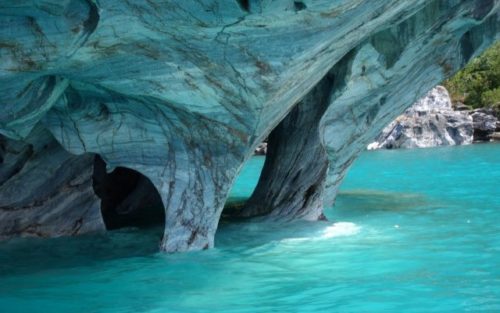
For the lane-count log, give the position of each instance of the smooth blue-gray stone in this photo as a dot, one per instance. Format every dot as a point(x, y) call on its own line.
point(183, 91)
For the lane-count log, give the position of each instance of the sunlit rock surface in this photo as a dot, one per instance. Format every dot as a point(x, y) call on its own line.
point(429, 122)
point(183, 91)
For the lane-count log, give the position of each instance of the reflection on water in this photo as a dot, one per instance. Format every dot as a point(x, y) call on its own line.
point(375, 200)
point(24, 255)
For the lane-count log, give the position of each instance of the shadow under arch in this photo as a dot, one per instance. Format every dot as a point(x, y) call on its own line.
point(128, 198)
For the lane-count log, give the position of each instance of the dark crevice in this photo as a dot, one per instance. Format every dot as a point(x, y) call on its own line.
point(20, 154)
point(481, 135)
point(88, 26)
point(91, 23)
point(299, 6)
point(466, 46)
point(128, 198)
point(244, 5)
point(310, 192)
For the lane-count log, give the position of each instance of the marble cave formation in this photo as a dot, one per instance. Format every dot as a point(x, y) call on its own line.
point(125, 113)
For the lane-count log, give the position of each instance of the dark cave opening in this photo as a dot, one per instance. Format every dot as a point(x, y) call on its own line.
point(128, 198)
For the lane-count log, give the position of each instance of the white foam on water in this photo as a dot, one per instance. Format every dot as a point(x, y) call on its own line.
point(340, 229)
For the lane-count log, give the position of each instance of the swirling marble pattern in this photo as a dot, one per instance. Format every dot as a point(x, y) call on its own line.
point(183, 91)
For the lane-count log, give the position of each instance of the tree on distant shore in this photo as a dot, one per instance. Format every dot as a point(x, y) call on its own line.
point(478, 84)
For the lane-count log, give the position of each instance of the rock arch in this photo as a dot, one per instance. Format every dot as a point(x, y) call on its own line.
point(336, 121)
point(185, 98)
point(128, 198)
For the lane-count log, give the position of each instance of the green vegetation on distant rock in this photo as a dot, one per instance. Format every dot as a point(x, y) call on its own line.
point(478, 84)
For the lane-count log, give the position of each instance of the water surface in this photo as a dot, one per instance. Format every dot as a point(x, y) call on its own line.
point(412, 231)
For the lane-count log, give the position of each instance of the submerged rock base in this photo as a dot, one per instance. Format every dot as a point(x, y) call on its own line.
point(182, 92)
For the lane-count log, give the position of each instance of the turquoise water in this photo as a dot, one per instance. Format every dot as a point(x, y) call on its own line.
point(412, 231)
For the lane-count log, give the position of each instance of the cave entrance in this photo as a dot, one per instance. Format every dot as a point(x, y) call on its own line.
point(128, 198)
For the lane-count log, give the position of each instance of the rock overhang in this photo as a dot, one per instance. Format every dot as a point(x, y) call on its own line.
point(182, 92)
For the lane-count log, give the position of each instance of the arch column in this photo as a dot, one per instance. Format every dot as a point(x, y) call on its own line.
point(372, 85)
point(292, 182)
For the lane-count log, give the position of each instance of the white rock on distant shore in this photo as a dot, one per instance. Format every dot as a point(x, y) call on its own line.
point(430, 122)
point(485, 124)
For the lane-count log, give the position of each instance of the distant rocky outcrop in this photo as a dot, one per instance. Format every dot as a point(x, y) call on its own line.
point(261, 149)
point(430, 122)
point(486, 125)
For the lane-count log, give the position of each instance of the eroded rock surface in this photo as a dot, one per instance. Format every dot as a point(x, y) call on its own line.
point(382, 71)
point(430, 122)
point(485, 124)
point(291, 184)
point(46, 191)
point(183, 91)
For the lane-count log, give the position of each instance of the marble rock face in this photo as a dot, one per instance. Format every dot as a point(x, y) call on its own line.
point(429, 122)
point(46, 191)
point(485, 124)
point(261, 149)
point(182, 92)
